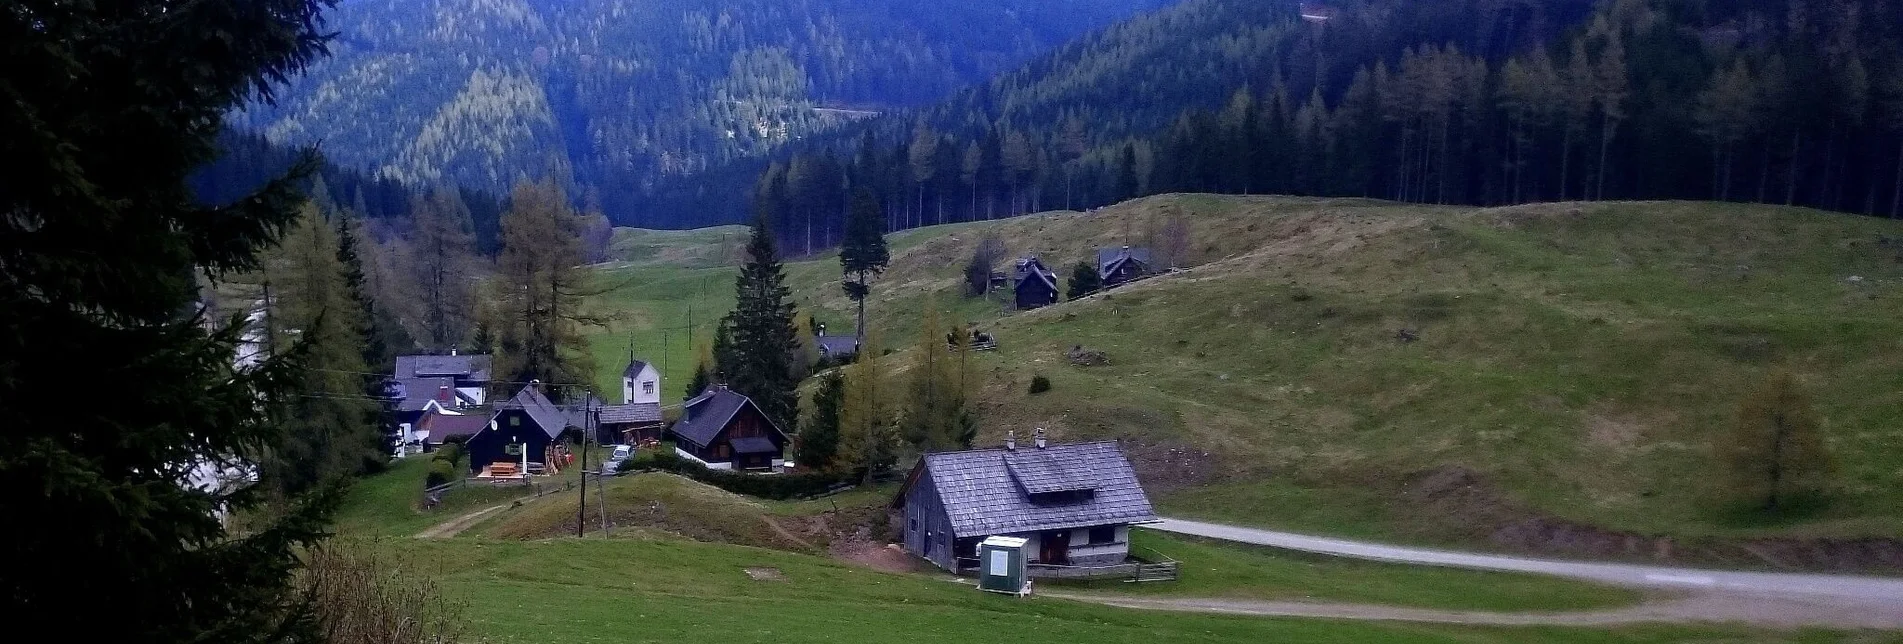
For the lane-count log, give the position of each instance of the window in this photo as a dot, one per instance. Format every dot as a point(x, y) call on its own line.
point(515, 421)
point(1103, 534)
point(647, 387)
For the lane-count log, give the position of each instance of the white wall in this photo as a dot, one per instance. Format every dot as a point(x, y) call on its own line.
point(635, 390)
point(712, 466)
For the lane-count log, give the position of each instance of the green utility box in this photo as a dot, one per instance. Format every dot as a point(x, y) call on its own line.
point(1001, 566)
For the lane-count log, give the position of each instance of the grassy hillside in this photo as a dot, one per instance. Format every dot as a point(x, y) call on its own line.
point(1575, 361)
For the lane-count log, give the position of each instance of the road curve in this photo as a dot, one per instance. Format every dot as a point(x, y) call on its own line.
point(1877, 593)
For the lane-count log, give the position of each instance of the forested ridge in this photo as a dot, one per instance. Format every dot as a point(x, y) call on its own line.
point(609, 96)
point(1479, 102)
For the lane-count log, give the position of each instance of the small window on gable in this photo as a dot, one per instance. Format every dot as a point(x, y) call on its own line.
point(647, 387)
point(1103, 534)
point(515, 421)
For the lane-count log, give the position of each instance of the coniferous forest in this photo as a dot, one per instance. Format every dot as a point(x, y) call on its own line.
point(1479, 102)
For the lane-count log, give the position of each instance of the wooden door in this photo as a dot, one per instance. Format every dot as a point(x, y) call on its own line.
point(1054, 548)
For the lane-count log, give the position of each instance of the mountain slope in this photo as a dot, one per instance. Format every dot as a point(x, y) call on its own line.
point(1575, 366)
point(617, 93)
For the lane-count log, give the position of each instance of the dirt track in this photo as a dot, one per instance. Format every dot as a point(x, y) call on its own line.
point(455, 526)
point(1729, 608)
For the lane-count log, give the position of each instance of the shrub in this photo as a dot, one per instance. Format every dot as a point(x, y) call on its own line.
point(440, 472)
point(361, 598)
point(1040, 384)
point(451, 453)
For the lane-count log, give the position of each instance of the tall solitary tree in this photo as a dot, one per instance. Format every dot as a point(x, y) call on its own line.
point(540, 288)
point(108, 107)
point(1776, 455)
point(764, 339)
point(864, 253)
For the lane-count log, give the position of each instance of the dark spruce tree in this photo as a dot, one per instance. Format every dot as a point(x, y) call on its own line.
point(819, 439)
point(102, 249)
point(763, 335)
point(864, 253)
point(1083, 281)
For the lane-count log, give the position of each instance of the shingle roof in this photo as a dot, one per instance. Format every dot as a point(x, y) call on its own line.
point(1109, 258)
point(445, 426)
point(837, 345)
point(984, 491)
point(1031, 266)
point(631, 413)
point(418, 392)
point(463, 367)
point(754, 445)
point(703, 417)
point(546, 415)
point(634, 368)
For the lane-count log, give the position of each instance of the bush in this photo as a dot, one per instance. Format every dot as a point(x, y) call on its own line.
point(360, 598)
point(451, 453)
point(1040, 384)
point(440, 472)
point(783, 486)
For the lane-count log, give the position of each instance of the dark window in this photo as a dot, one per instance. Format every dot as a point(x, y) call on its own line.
point(515, 421)
point(914, 525)
point(1103, 534)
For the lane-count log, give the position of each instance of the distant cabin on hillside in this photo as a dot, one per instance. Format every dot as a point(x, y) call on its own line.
point(838, 348)
point(525, 433)
point(1034, 284)
point(1074, 503)
point(638, 417)
point(1118, 266)
point(726, 431)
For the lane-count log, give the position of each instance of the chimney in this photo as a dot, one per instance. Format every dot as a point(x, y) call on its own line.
point(442, 394)
point(822, 330)
point(1038, 438)
point(452, 351)
point(1011, 440)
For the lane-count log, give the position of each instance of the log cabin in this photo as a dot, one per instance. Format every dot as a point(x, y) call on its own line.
point(725, 430)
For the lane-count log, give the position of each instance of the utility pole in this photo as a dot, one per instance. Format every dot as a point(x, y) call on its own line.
point(581, 509)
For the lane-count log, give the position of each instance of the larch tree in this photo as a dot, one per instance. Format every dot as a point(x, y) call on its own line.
point(923, 163)
point(864, 253)
point(1776, 455)
point(102, 248)
point(443, 248)
point(331, 422)
point(868, 437)
point(539, 289)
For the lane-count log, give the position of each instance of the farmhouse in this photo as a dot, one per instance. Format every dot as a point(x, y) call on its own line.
point(724, 430)
point(1035, 285)
point(638, 417)
point(524, 436)
point(839, 348)
point(1074, 504)
point(1117, 266)
point(424, 376)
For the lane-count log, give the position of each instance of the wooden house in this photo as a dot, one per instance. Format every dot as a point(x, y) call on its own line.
point(1035, 285)
point(726, 431)
point(1118, 266)
point(526, 432)
point(1074, 504)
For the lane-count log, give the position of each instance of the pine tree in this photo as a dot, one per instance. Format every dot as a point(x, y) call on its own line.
point(864, 253)
point(376, 353)
point(703, 371)
point(1776, 456)
point(763, 335)
point(540, 288)
point(1083, 281)
point(819, 437)
point(1127, 182)
point(332, 426)
point(101, 247)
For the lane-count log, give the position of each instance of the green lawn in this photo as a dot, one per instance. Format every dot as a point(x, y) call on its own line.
point(1218, 569)
point(390, 503)
point(654, 590)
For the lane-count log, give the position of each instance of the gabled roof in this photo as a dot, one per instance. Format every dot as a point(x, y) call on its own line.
point(545, 414)
point(418, 392)
point(989, 491)
point(631, 413)
point(703, 417)
point(461, 367)
point(837, 345)
point(1110, 259)
point(1031, 267)
point(634, 368)
point(445, 426)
